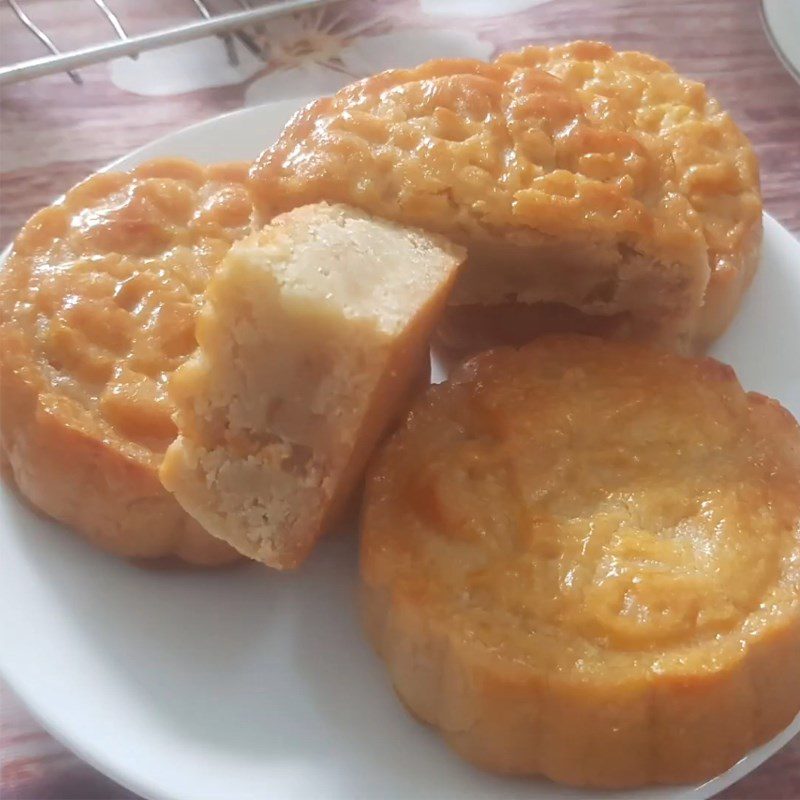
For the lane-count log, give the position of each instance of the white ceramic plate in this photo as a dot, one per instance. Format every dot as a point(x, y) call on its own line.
point(782, 24)
point(247, 684)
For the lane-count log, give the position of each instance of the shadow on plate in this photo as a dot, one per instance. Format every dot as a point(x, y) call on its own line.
point(264, 666)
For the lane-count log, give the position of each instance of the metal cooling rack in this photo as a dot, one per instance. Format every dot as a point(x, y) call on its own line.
point(230, 26)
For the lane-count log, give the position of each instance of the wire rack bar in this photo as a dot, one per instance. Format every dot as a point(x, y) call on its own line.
point(41, 36)
point(132, 45)
point(112, 18)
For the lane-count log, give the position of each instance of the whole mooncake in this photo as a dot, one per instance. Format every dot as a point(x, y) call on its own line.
point(97, 307)
point(581, 559)
point(596, 191)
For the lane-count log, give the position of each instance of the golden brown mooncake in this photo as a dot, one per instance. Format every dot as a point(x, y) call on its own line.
point(97, 307)
point(581, 559)
point(313, 333)
point(578, 177)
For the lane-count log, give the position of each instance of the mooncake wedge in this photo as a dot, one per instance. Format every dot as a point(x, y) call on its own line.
point(313, 332)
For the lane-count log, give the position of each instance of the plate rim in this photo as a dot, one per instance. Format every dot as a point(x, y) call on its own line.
point(769, 31)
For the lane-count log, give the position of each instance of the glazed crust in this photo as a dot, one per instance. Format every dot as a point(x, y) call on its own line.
point(581, 559)
point(574, 174)
point(98, 300)
point(710, 161)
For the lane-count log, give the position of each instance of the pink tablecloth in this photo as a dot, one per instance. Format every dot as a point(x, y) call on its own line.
point(55, 133)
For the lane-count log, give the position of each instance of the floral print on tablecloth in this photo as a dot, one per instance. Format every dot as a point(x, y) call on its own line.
point(321, 50)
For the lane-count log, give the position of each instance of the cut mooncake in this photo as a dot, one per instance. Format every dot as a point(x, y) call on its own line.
point(98, 301)
point(596, 191)
point(313, 332)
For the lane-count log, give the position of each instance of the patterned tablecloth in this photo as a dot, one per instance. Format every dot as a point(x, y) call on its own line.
point(54, 133)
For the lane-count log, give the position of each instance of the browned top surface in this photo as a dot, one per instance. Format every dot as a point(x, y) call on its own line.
point(99, 297)
point(524, 527)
